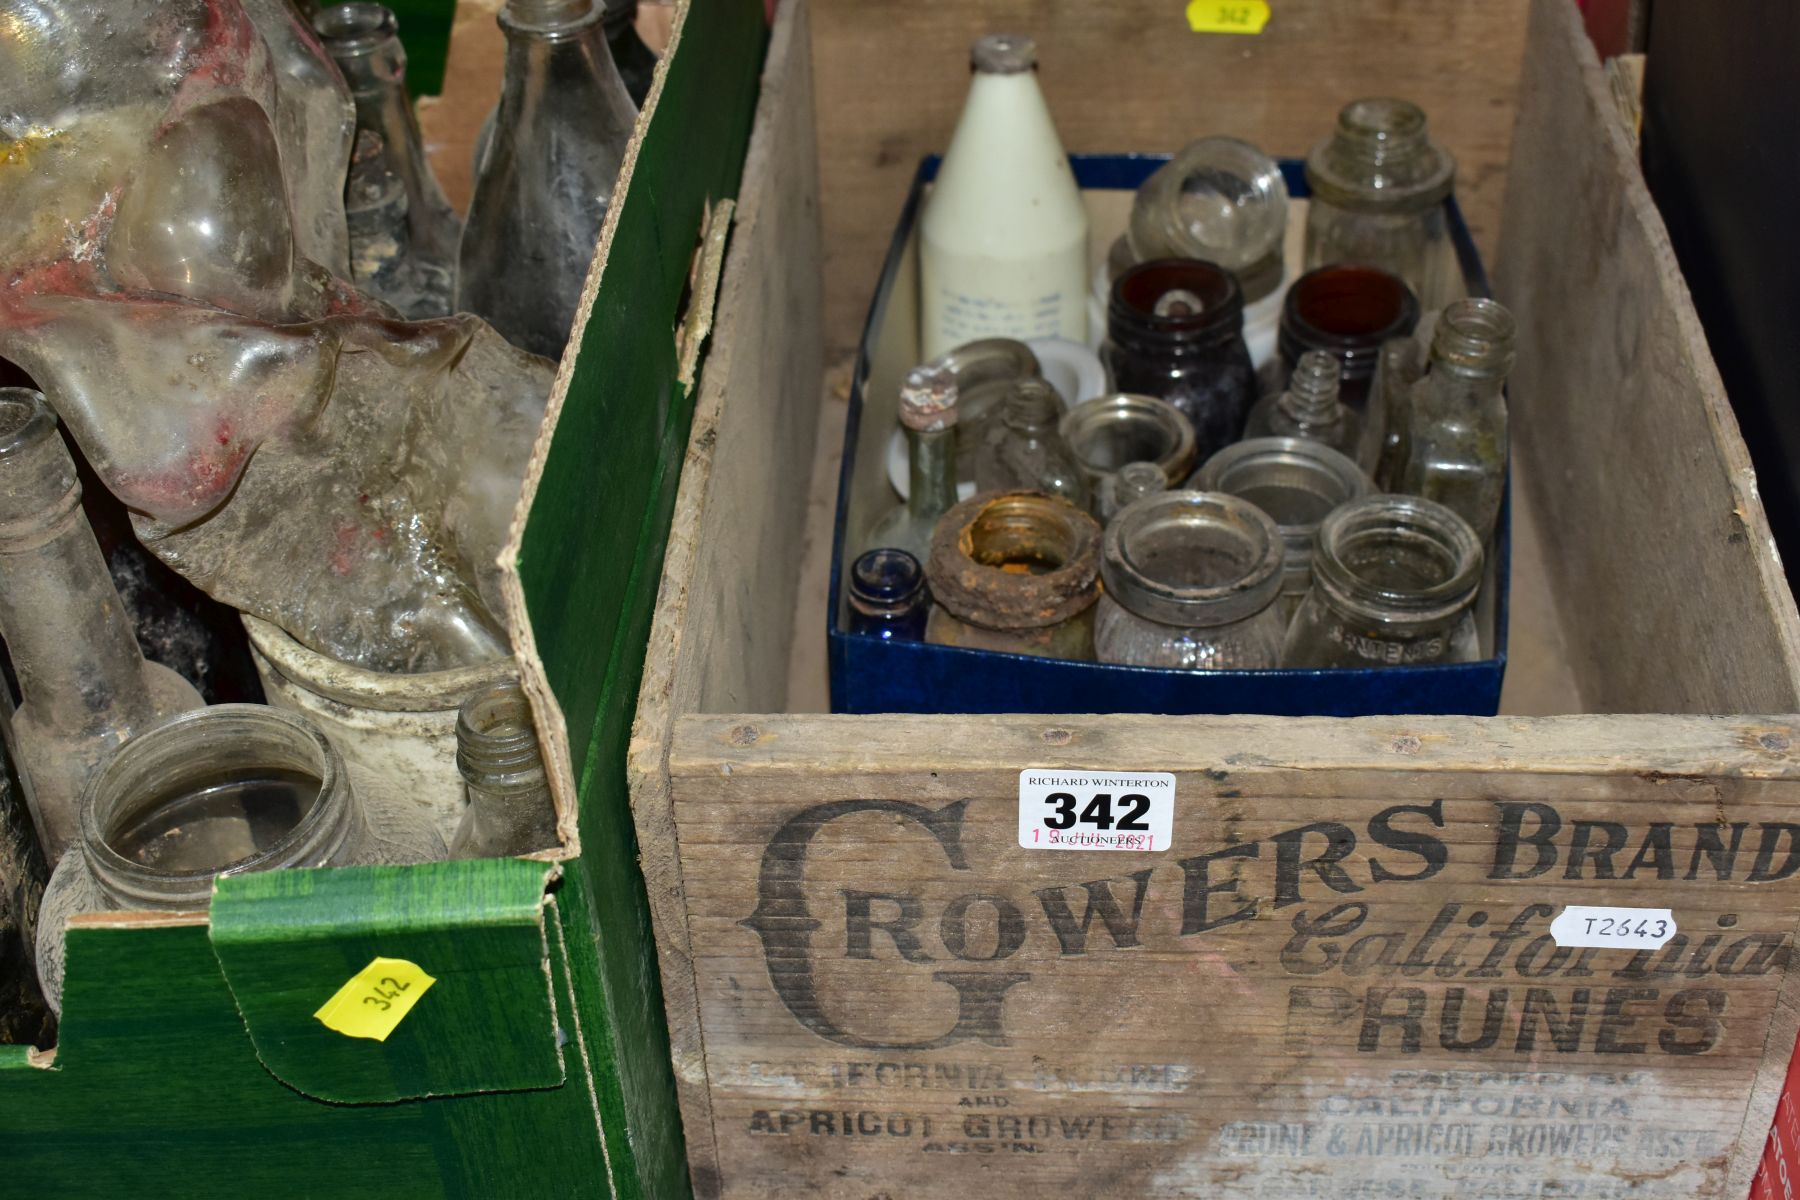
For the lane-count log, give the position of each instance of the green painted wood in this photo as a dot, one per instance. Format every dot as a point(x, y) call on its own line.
point(288, 940)
point(425, 32)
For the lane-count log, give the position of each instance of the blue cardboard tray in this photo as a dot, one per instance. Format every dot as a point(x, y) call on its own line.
point(869, 675)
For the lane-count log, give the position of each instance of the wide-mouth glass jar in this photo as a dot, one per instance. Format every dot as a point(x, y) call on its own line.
point(1347, 310)
point(1394, 581)
point(1108, 432)
point(1016, 572)
point(1191, 582)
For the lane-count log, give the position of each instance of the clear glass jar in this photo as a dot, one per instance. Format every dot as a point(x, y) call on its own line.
point(510, 811)
point(1296, 482)
point(546, 175)
point(1457, 434)
point(1107, 432)
point(86, 685)
point(1378, 187)
point(1394, 584)
point(403, 232)
point(1349, 312)
point(985, 371)
point(1127, 485)
point(220, 791)
point(1400, 366)
point(1311, 408)
point(888, 599)
point(1219, 199)
point(1191, 582)
point(1016, 572)
point(1025, 452)
point(1175, 330)
point(929, 415)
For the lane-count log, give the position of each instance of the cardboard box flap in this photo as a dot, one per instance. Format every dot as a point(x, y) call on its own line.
point(367, 985)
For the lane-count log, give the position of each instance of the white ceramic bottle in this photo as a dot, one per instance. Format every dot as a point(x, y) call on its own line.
point(1003, 243)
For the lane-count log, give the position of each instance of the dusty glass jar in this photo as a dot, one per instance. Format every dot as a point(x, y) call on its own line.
point(1311, 407)
point(1348, 311)
point(1016, 572)
point(1175, 330)
point(220, 791)
point(1394, 582)
point(1130, 483)
point(985, 371)
point(1399, 367)
point(1219, 199)
point(1107, 432)
point(1191, 582)
point(1024, 450)
point(510, 811)
point(1296, 482)
point(929, 414)
point(1378, 187)
point(887, 596)
point(1456, 431)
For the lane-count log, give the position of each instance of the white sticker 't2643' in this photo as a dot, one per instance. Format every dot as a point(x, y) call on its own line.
point(1624, 928)
point(1095, 810)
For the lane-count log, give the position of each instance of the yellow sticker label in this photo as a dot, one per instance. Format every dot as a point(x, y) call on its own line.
point(376, 999)
point(1227, 16)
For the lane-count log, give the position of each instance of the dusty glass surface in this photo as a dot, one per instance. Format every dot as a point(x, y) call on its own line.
point(929, 413)
point(497, 752)
point(1024, 450)
point(1310, 407)
point(1456, 452)
point(280, 439)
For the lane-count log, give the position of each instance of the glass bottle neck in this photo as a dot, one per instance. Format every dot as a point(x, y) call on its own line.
point(931, 472)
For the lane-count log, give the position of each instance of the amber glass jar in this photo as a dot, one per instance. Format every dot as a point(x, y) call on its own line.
point(1346, 310)
point(1016, 572)
point(1175, 330)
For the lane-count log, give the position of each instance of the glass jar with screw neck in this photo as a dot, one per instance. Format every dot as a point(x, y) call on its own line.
point(1175, 330)
point(86, 685)
point(1310, 408)
point(1016, 572)
point(928, 414)
point(221, 791)
point(510, 811)
point(1025, 450)
point(403, 232)
point(888, 599)
point(1348, 311)
point(1191, 582)
point(985, 371)
point(1394, 582)
point(1127, 485)
point(1378, 187)
point(1456, 451)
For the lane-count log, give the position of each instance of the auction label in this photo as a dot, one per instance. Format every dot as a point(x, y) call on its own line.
point(1096, 810)
point(1625, 928)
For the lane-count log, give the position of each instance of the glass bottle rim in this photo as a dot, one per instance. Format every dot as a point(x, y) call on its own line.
point(355, 28)
point(1136, 293)
point(887, 576)
point(175, 751)
point(1003, 54)
point(1474, 336)
point(496, 740)
point(1145, 422)
point(551, 18)
point(976, 541)
point(1380, 158)
point(1228, 528)
point(1347, 310)
point(1432, 530)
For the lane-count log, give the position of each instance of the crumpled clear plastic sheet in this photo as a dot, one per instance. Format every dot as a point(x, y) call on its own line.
point(282, 440)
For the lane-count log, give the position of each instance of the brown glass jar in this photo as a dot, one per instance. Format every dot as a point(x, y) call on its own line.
point(1015, 572)
point(1175, 330)
point(1347, 310)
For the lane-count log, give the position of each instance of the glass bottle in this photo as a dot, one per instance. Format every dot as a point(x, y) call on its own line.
point(1394, 580)
point(887, 596)
point(1400, 366)
point(220, 791)
point(1296, 481)
point(403, 232)
point(985, 371)
point(1016, 572)
point(86, 685)
point(24, 1015)
point(1003, 239)
point(1457, 426)
point(1191, 582)
point(1378, 187)
point(635, 60)
point(1175, 330)
point(1310, 408)
point(928, 414)
point(1025, 451)
point(546, 176)
point(1106, 432)
point(1348, 311)
point(1127, 485)
point(510, 811)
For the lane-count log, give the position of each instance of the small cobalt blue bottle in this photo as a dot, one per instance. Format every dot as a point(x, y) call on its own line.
point(887, 596)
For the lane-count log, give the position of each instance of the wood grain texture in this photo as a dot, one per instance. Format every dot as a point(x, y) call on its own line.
point(1339, 976)
point(1127, 76)
point(1672, 594)
point(723, 614)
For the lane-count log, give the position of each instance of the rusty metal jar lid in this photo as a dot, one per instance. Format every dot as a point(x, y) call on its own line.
point(1015, 560)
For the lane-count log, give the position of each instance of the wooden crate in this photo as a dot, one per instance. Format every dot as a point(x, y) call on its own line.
point(1339, 980)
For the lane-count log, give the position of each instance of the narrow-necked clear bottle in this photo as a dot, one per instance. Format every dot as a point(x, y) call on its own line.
point(1127, 485)
point(1025, 450)
point(928, 414)
point(510, 811)
point(888, 598)
point(1003, 239)
point(403, 232)
point(1457, 427)
point(1310, 408)
point(546, 175)
point(87, 687)
point(221, 791)
point(1400, 366)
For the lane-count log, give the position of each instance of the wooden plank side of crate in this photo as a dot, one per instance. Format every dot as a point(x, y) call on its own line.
point(1337, 982)
point(724, 615)
point(1672, 596)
